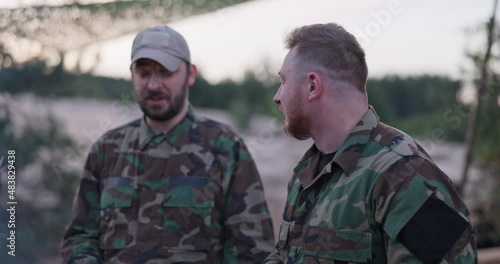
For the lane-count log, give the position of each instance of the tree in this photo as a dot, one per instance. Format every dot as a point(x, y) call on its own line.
point(483, 85)
point(483, 137)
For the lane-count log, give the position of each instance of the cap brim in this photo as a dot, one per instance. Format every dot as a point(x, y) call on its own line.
point(168, 61)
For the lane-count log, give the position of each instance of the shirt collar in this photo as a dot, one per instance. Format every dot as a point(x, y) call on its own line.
point(349, 152)
point(147, 135)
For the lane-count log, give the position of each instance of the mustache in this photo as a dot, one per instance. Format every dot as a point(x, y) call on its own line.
point(155, 94)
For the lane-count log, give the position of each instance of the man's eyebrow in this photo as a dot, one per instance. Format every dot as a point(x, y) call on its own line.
point(141, 66)
point(154, 67)
point(140, 63)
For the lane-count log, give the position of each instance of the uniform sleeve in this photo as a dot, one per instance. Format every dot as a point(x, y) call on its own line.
point(422, 216)
point(248, 230)
point(81, 239)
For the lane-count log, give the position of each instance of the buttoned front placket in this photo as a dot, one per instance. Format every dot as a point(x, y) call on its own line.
point(155, 151)
point(306, 189)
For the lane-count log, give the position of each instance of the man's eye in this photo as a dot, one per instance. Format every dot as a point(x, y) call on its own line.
point(145, 74)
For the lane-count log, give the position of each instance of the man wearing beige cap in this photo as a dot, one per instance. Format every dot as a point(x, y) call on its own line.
point(170, 187)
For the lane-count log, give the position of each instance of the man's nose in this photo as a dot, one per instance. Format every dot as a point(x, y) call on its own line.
point(153, 82)
point(276, 98)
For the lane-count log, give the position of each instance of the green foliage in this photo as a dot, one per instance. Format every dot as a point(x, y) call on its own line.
point(401, 97)
point(37, 78)
point(242, 100)
point(424, 106)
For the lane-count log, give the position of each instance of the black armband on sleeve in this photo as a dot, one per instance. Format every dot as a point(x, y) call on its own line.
point(433, 230)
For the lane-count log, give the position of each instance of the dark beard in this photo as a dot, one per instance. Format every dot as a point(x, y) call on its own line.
point(297, 124)
point(298, 127)
point(176, 105)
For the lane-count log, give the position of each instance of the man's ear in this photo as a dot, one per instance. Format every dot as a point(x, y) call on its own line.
point(191, 74)
point(314, 85)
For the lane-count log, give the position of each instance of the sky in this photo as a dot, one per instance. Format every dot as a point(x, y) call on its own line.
point(399, 36)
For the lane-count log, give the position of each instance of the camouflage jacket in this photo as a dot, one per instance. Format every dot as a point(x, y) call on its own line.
point(380, 200)
point(191, 195)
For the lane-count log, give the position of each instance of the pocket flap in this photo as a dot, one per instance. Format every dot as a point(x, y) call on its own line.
point(117, 192)
point(343, 245)
point(196, 192)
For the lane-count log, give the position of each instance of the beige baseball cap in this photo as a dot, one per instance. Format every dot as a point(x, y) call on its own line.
point(163, 45)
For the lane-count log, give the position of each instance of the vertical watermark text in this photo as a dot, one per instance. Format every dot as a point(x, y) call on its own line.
point(11, 202)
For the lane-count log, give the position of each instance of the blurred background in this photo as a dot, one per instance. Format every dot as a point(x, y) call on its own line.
point(64, 81)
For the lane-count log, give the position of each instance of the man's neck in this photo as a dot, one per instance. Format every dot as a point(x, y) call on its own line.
point(329, 140)
point(165, 126)
point(329, 135)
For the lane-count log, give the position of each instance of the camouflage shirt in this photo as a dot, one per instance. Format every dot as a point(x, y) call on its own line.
point(191, 195)
point(380, 200)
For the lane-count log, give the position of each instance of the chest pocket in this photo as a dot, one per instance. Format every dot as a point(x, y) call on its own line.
point(323, 245)
point(187, 212)
point(116, 201)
